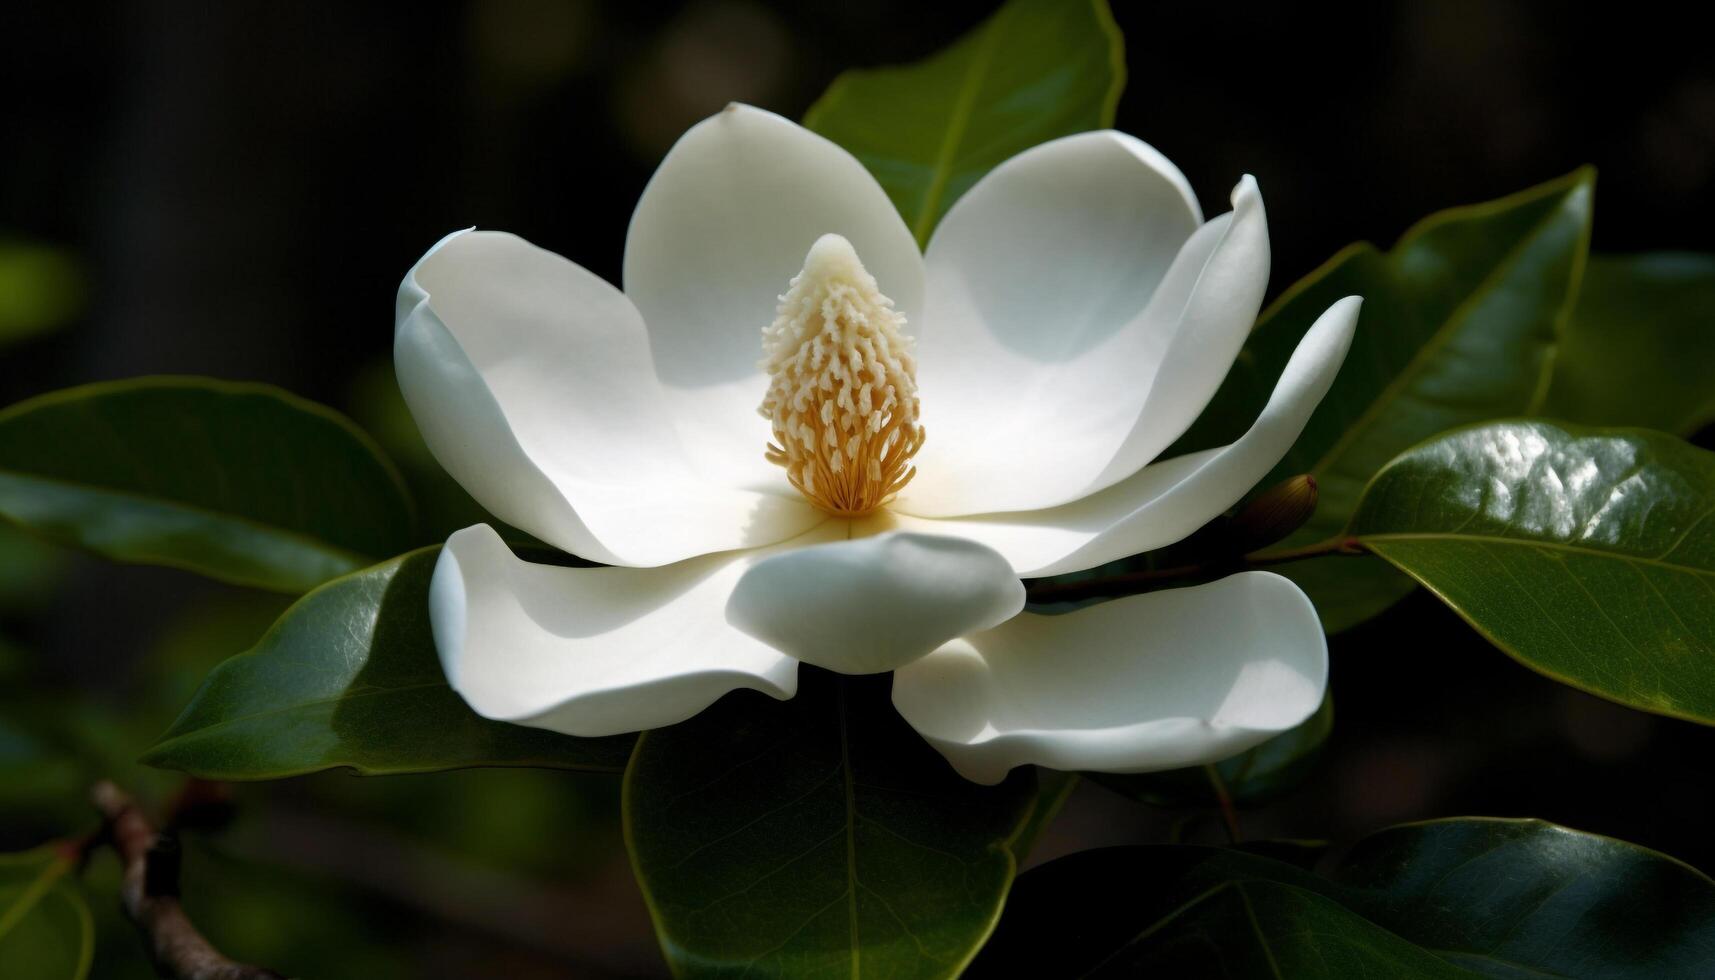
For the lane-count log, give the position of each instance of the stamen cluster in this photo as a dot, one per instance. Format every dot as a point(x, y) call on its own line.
point(842, 396)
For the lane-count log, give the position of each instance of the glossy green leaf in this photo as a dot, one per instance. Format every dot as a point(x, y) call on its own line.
point(242, 482)
point(1034, 71)
point(1586, 554)
point(1256, 776)
point(1459, 325)
point(1525, 898)
point(45, 928)
point(41, 288)
point(1640, 349)
point(348, 677)
point(817, 837)
point(1448, 898)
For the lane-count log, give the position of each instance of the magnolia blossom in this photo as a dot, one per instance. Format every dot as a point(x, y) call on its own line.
point(933, 426)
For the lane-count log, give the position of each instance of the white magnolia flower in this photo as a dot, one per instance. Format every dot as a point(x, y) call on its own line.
point(1072, 314)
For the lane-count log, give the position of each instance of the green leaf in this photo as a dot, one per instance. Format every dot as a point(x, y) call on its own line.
point(1459, 325)
point(1511, 898)
point(348, 677)
point(1266, 929)
point(1034, 71)
point(1466, 897)
point(241, 482)
point(819, 836)
point(1264, 773)
point(1640, 349)
point(41, 288)
point(1053, 789)
point(1586, 554)
point(46, 932)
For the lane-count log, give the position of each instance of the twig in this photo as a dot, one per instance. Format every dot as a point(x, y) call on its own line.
point(1229, 813)
point(149, 894)
point(1132, 583)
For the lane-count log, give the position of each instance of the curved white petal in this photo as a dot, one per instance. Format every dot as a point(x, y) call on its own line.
point(1055, 364)
point(1164, 501)
point(874, 604)
point(531, 381)
point(1157, 681)
point(719, 232)
point(594, 651)
point(1213, 298)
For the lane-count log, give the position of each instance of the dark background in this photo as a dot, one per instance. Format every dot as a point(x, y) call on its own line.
point(246, 182)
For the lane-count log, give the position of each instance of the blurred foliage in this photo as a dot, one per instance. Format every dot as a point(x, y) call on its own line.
point(46, 932)
point(326, 876)
point(41, 289)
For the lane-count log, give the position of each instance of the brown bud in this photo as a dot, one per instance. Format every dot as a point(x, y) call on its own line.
point(1275, 513)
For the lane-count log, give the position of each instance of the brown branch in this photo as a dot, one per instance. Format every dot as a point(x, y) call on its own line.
point(1223, 798)
point(149, 894)
point(1132, 583)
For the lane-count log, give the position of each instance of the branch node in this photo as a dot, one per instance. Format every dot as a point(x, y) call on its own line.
point(149, 895)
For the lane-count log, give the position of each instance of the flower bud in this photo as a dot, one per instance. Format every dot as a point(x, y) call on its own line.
point(1275, 513)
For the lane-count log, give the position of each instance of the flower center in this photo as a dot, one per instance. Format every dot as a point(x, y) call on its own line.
point(842, 391)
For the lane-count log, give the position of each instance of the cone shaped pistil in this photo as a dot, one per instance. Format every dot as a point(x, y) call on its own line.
point(842, 394)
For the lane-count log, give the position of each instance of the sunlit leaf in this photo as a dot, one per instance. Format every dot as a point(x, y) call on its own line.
point(1034, 71)
point(1587, 554)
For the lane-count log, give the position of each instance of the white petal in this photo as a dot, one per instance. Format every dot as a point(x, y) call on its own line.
point(1212, 295)
point(531, 382)
point(719, 232)
point(874, 604)
point(1055, 363)
point(1158, 681)
point(1164, 501)
point(594, 651)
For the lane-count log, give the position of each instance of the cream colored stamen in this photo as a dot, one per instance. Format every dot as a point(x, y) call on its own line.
point(842, 394)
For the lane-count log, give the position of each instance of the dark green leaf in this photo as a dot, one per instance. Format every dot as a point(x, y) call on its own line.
point(1468, 897)
point(1587, 554)
point(1053, 789)
point(1640, 349)
point(1459, 325)
point(1034, 71)
point(1257, 776)
point(1266, 929)
point(817, 837)
point(1524, 898)
point(45, 926)
point(349, 677)
point(241, 482)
